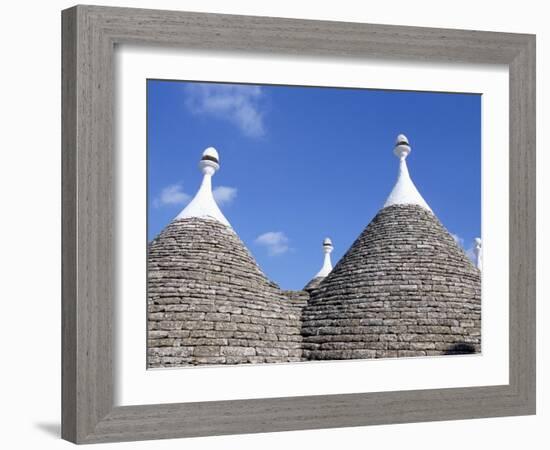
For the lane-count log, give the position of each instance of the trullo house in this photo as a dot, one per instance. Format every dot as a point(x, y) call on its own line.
point(404, 288)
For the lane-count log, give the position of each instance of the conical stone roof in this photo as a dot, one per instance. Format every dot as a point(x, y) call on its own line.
point(209, 303)
point(313, 284)
point(404, 288)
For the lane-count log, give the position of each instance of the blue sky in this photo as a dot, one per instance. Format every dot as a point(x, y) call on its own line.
point(302, 163)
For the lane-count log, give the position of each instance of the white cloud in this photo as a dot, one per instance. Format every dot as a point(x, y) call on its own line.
point(469, 251)
point(458, 239)
point(172, 195)
point(238, 104)
point(224, 195)
point(276, 242)
point(175, 195)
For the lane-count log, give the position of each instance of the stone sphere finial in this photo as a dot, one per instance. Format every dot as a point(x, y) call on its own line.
point(210, 161)
point(327, 245)
point(402, 147)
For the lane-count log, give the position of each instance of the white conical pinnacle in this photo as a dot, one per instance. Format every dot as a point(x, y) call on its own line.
point(404, 192)
point(327, 263)
point(203, 204)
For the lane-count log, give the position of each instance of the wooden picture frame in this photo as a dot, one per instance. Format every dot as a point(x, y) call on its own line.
point(90, 34)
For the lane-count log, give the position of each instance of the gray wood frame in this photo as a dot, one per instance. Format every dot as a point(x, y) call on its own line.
point(89, 36)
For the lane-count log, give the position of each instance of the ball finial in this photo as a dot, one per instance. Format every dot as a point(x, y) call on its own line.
point(327, 245)
point(402, 147)
point(210, 161)
point(401, 139)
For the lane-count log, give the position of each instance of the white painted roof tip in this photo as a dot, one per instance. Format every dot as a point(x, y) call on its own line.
point(401, 138)
point(402, 147)
point(211, 152)
point(327, 263)
point(404, 192)
point(203, 204)
point(478, 252)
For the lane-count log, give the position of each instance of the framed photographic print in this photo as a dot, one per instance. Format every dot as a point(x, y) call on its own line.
point(285, 204)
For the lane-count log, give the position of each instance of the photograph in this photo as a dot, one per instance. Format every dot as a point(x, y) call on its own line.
point(284, 225)
point(268, 225)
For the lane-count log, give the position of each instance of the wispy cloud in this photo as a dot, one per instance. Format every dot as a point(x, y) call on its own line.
point(471, 254)
point(468, 250)
point(459, 240)
point(276, 242)
point(224, 195)
point(172, 195)
point(238, 104)
point(175, 195)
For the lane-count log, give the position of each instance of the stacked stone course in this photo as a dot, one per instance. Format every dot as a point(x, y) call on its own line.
point(313, 284)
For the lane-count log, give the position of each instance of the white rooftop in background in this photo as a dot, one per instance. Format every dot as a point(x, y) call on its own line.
point(404, 192)
point(203, 204)
point(327, 263)
point(478, 251)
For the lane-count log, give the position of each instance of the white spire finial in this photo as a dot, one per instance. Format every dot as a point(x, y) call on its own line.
point(478, 252)
point(402, 147)
point(203, 204)
point(210, 161)
point(404, 192)
point(327, 263)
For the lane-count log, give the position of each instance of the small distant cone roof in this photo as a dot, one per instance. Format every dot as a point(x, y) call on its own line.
point(325, 269)
point(478, 252)
point(203, 204)
point(404, 192)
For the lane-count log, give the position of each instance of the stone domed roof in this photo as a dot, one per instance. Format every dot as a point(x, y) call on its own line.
point(208, 301)
point(404, 288)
